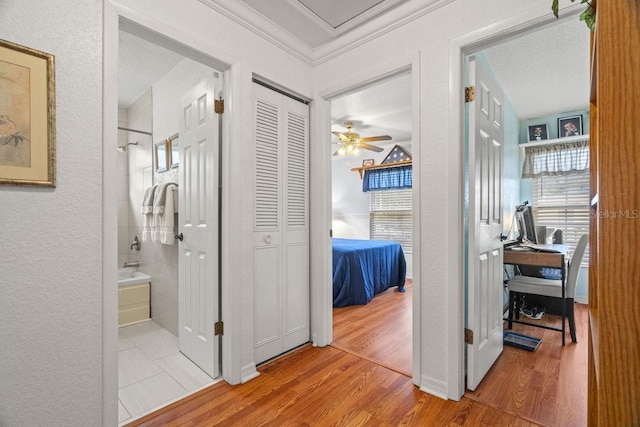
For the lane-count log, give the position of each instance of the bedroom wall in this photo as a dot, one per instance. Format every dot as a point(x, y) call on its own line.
point(430, 37)
point(350, 213)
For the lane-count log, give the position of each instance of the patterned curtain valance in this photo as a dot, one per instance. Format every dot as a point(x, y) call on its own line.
point(391, 178)
point(556, 159)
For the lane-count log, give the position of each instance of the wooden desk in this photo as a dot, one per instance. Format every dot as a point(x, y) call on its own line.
point(542, 259)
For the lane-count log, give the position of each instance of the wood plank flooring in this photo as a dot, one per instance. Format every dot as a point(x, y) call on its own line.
point(324, 387)
point(548, 386)
point(379, 331)
point(328, 386)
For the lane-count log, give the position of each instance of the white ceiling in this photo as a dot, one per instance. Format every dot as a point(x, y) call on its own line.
point(140, 65)
point(541, 72)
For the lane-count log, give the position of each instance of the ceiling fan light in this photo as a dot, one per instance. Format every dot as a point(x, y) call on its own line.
point(350, 149)
point(356, 151)
point(342, 151)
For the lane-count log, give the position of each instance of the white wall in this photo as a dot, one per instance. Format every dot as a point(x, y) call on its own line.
point(52, 246)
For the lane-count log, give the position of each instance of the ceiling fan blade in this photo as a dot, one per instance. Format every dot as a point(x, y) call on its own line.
point(369, 147)
point(340, 136)
point(336, 153)
point(376, 138)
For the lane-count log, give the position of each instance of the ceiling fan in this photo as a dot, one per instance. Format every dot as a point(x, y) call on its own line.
point(351, 143)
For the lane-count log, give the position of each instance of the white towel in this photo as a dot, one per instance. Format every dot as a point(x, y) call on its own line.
point(147, 213)
point(147, 202)
point(167, 222)
point(160, 198)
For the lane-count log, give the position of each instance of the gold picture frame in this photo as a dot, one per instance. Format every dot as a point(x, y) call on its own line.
point(27, 116)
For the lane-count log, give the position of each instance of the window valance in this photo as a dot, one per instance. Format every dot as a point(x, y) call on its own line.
point(556, 159)
point(390, 178)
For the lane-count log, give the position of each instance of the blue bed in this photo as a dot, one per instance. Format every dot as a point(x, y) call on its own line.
point(364, 268)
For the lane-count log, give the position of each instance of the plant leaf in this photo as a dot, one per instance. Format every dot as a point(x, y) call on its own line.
point(554, 7)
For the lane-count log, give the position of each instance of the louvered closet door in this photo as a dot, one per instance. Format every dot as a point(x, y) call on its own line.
point(281, 231)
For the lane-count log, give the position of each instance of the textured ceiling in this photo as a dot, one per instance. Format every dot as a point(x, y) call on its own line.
point(546, 71)
point(140, 65)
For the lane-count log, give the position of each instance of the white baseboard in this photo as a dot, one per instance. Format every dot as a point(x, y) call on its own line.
point(248, 373)
point(434, 387)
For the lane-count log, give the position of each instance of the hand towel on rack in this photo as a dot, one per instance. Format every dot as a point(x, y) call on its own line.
point(147, 213)
point(159, 199)
point(167, 221)
point(147, 202)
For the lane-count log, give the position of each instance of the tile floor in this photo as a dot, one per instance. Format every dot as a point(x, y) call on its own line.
point(151, 370)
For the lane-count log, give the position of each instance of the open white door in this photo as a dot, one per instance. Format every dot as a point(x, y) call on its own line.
point(198, 219)
point(486, 148)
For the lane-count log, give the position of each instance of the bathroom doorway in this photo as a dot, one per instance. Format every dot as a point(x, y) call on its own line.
point(152, 79)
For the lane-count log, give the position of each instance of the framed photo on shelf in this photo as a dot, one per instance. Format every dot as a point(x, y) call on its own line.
point(538, 133)
point(27, 116)
point(569, 126)
point(368, 162)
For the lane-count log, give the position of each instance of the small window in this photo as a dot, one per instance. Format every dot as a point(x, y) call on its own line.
point(391, 218)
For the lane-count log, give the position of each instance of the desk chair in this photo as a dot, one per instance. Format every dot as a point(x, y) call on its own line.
point(550, 288)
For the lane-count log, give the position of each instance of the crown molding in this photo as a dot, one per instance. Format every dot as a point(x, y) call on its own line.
point(248, 18)
point(346, 26)
point(378, 27)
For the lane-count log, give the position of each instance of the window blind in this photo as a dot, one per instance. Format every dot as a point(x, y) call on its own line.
point(390, 217)
point(563, 202)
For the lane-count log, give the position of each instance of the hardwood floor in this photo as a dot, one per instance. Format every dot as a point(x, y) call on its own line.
point(548, 386)
point(379, 331)
point(328, 386)
point(324, 387)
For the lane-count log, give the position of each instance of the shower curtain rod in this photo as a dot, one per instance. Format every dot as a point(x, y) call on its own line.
point(135, 130)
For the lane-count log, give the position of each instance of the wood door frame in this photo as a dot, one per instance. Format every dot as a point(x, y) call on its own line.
point(459, 49)
point(207, 53)
point(320, 197)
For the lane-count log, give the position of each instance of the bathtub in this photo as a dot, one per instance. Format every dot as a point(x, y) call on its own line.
point(134, 296)
point(129, 276)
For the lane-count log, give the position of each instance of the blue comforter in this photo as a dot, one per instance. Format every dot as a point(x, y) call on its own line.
point(364, 268)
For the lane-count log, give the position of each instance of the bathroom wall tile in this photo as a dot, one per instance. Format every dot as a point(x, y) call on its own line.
point(134, 365)
point(123, 187)
point(123, 214)
point(164, 312)
point(183, 370)
point(123, 239)
point(150, 393)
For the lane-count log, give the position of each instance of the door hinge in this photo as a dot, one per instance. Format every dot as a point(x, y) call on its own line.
point(218, 106)
point(468, 336)
point(218, 328)
point(469, 94)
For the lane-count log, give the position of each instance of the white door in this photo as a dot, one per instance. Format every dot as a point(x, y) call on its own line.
point(281, 231)
point(198, 223)
point(486, 148)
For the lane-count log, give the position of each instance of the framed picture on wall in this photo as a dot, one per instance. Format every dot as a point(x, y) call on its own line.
point(569, 126)
point(27, 116)
point(538, 132)
point(368, 162)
